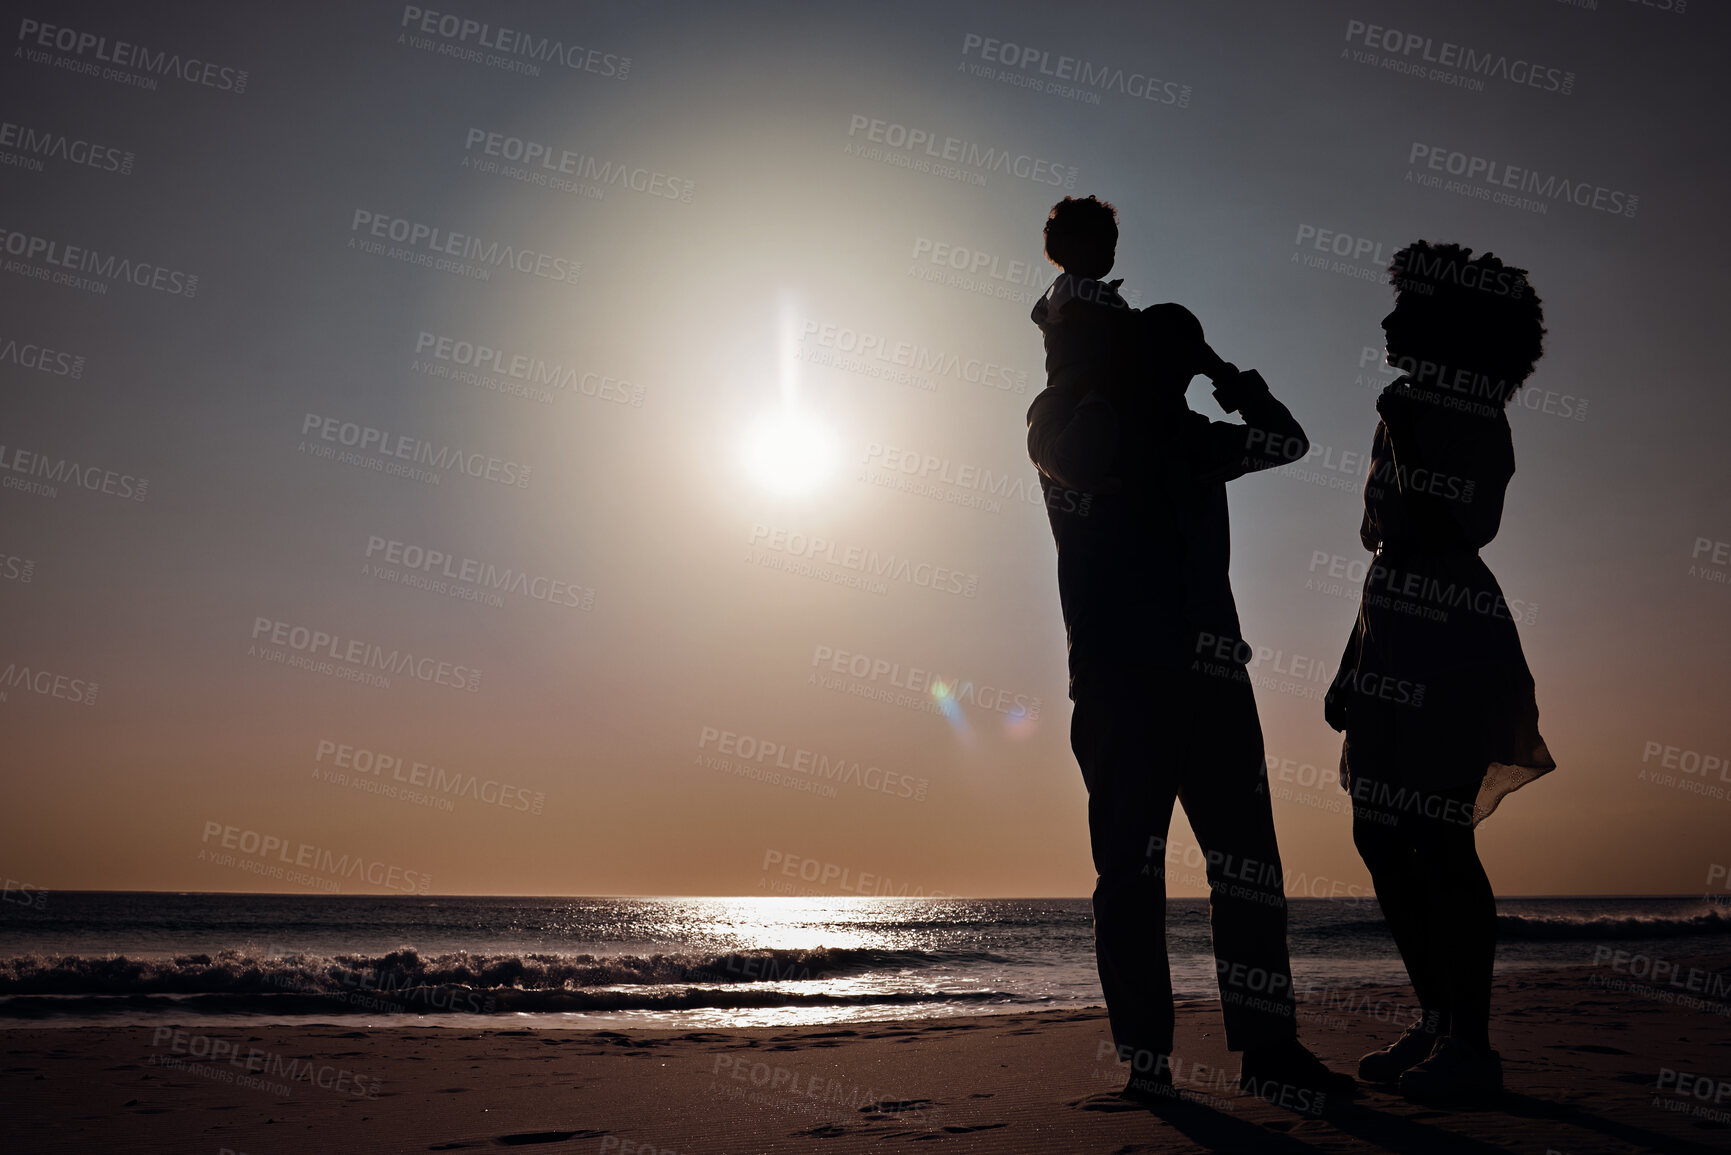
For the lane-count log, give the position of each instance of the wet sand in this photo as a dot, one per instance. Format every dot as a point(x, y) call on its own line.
point(1590, 1067)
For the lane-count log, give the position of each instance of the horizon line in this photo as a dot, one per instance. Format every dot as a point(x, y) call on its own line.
point(939, 897)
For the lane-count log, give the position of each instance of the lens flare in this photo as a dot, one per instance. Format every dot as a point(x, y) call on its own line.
point(1019, 725)
point(951, 708)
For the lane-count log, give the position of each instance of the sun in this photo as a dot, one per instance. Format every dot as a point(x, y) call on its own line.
point(789, 453)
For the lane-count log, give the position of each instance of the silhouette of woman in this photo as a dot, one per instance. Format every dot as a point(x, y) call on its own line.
point(1433, 692)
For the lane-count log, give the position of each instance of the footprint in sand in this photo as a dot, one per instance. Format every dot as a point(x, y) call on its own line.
point(1587, 1048)
point(522, 1139)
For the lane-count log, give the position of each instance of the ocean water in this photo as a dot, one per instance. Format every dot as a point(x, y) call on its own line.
point(700, 963)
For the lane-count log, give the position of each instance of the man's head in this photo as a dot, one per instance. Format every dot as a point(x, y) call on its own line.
point(1082, 236)
point(1463, 312)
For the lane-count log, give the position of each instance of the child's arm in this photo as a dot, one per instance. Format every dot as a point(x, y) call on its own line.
point(1172, 334)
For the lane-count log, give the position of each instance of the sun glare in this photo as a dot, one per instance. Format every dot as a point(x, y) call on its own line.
point(789, 453)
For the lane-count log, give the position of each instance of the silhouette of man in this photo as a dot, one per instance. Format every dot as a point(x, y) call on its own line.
point(1135, 489)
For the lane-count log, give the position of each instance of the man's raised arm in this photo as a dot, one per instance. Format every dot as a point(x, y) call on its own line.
point(1269, 437)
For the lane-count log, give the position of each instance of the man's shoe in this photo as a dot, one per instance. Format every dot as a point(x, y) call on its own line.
point(1457, 1074)
point(1411, 1049)
point(1288, 1075)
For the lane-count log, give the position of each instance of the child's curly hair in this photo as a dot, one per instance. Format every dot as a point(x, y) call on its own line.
point(1078, 228)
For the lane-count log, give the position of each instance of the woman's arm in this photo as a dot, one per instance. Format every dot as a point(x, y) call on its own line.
point(1451, 470)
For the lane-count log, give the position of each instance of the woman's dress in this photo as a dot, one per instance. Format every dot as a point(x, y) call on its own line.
point(1433, 689)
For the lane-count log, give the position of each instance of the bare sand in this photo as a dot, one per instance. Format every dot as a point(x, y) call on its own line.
point(1590, 1067)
